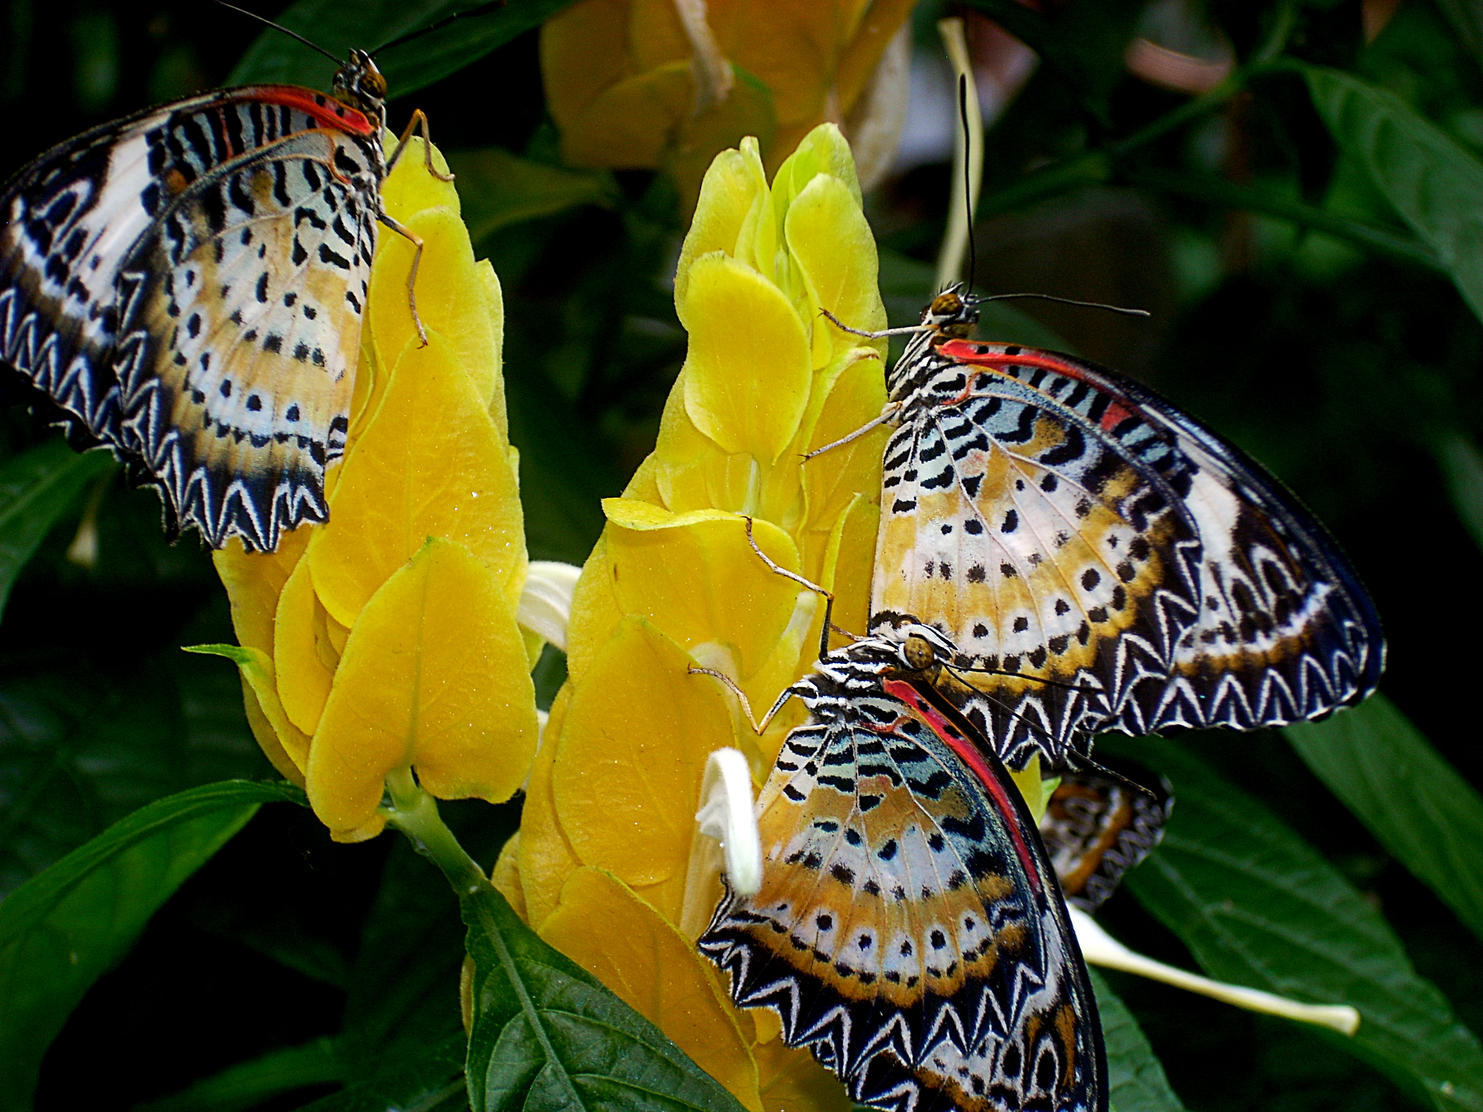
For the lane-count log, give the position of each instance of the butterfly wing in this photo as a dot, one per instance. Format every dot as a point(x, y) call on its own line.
point(1097, 826)
point(186, 285)
point(1102, 561)
point(908, 917)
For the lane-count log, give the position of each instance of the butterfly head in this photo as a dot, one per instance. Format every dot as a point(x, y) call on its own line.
point(359, 84)
point(952, 314)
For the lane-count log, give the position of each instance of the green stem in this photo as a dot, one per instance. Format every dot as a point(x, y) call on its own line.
point(415, 813)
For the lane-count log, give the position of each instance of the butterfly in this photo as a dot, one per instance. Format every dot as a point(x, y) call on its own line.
point(908, 929)
point(1097, 825)
point(1101, 560)
point(186, 285)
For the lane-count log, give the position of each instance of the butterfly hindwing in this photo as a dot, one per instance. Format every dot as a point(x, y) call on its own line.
point(1101, 561)
point(187, 284)
point(908, 929)
point(1098, 825)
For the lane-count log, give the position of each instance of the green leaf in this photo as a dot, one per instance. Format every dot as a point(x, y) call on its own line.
point(1134, 1075)
point(409, 66)
point(497, 189)
point(431, 1083)
point(1462, 467)
point(1257, 906)
point(250, 1084)
point(65, 927)
point(1434, 183)
point(547, 1034)
point(83, 746)
point(1413, 801)
point(37, 489)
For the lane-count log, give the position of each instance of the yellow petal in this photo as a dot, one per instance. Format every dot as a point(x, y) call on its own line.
point(433, 676)
point(733, 197)
point(409, 189)
point(302, 656)
point(429, 465)
point(545, 856)
point(505, 876)
point(793, 1080)
point(253, 581)
point(743, 612)
point(452, 297)
point(604, 927)
point(628, 763)
point(832, 247)
point(748, 369)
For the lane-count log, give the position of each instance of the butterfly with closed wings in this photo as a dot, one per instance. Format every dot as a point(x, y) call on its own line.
point(186, 285)
point(908, 929)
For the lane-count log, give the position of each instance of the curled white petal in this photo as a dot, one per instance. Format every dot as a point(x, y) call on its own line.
point(546, 600)
point(1100, 948)
point(727, 815)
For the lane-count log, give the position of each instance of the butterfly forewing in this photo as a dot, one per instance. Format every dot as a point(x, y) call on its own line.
point(1101, 561)
point(187, 285)
point(908, 929)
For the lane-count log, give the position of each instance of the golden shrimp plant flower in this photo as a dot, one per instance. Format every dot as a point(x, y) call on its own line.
point(608, 830)
point(385, 643)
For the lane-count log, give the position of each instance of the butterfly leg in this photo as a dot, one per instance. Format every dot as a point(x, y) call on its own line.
point(418, 123)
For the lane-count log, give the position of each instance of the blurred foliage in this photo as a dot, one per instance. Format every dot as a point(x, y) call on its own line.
point(1303, 216)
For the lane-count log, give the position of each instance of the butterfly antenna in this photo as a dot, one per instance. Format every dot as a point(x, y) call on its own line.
point(967, 178)
point(1120, 309)
point(311, 44)
point(478, 9)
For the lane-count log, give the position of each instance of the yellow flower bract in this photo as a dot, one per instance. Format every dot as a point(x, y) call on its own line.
point(609, 821)
point(664, 85)
point(386, 639)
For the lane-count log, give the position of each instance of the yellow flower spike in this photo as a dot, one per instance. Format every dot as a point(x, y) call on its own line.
point(629, 760)
point(748, 372)
point(429, 465)
point(434, 677)
point(656, 971)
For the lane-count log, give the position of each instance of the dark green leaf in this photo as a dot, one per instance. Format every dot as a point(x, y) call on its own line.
point(433, 1082)
point(249, 1084)
point(548, 1035)
point(1434, 183)
point(1134, 1075)
point(497, 188)
point(1462, 468)
point(1467, 22)
point(1257, 906)
point(82, 748)
point(63, 928)
point(1413, 801)
point(410, 65)
point(37, 489)
point(404, 985)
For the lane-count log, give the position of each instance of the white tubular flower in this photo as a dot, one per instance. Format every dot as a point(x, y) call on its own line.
point(727, 815)
point(1100, 948)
